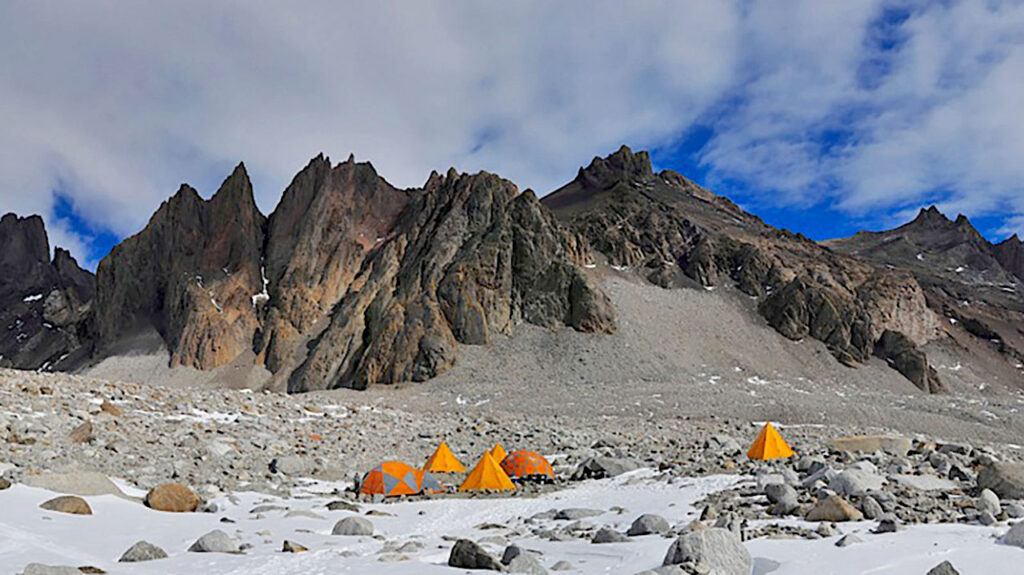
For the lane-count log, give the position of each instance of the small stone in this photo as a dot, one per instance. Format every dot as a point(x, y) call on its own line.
point(944, 568)
point(468, 555)
point(525, 563)
point(847, 540)
point(353, 527)
point(341, 505)
point(293, 547)
point(4, 484)
point(887, 524)
point(1015, 536)
point(648, 524)
point(1014, 510)
point(67, 504)
point(562, 566)
point(986, 518)
point(173, 498)
point(215, 541)
point(607, 535)
point(142, 551)
point(825, 529)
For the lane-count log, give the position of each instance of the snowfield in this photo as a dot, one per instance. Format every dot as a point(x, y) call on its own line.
point(29, 534)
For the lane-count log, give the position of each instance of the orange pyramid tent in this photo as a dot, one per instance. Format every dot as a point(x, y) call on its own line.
point(487, 476)
point(443, 461)
point(769, 445)
point(498, 452)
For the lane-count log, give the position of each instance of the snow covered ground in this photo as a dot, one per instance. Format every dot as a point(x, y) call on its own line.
point(29, 534)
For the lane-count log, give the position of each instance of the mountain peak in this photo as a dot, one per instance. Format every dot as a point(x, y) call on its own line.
point(623, 165)
point(930, 214)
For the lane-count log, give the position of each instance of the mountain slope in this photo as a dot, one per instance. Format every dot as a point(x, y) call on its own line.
point(674, 233)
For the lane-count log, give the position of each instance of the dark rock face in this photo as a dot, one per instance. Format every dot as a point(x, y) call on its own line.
point(674, 233)
point(317, 237)
point(903, 355)
point(964, 278)
point(469, 257)
point(804, 307)
point(44, 304)
point(191, 275)
point(1010, 254)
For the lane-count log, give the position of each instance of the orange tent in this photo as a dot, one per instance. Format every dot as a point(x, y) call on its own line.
point(527, 464)
point(443, 461)
point(487, 476)
point(769, 445)
point(391, 478)
point(498, 452)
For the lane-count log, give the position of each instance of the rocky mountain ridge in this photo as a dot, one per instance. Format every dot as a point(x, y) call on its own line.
point(351, 282)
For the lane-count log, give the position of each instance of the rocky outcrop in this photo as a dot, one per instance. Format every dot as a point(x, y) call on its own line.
point(44, 303)
point(805, 307)
point(190, 275)
point(327, 220)
point(906, 358)
point(674, 233)
point(1010, 254)
point(469, 257)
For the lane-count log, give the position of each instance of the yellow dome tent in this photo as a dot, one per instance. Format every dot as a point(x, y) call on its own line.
point(498, 452)
point(487, 475)
point(769, 445)
point(443, 461)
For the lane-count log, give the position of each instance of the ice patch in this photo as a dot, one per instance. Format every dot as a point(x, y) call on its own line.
point(33, 297)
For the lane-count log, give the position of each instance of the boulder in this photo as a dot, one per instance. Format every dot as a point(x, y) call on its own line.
point(713, 550)
point(988, 501)
point(871, 508)
point(887, 524)
point(575, 513)
point(290, 465)
point(944, 568)
point(525, 563)
point(648, 524)
point(834, 508)
point(173, 498)
point(142, 551)
point(67, 504)
point(82, 433)
point(40, 569)
point(215, 541)
point(353, 527)
point(608, 535)
point(855, 482)
point(75, 482)
point(601, 467)
point(4, 484)
point(891, 444)
point(468, 555)
point(1004, 479)
point(925, 482)
point(562, 566)
point(783, 497)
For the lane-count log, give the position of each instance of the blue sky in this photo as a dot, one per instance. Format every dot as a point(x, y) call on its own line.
point(824, 117)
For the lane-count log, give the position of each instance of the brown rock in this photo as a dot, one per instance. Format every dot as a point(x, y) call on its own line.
point(293, 547)
point(172, 497)
point(91, 569)
point(67, 504)
point(4, 484)
point(834, 508)
point(82, 433)
point(110, 408)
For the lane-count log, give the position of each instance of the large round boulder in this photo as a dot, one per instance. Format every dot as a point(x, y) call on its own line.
point(67, 504)
point(172, 497)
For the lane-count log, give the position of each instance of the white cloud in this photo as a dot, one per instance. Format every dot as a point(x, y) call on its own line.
point(117, 103)
point(122, 101)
